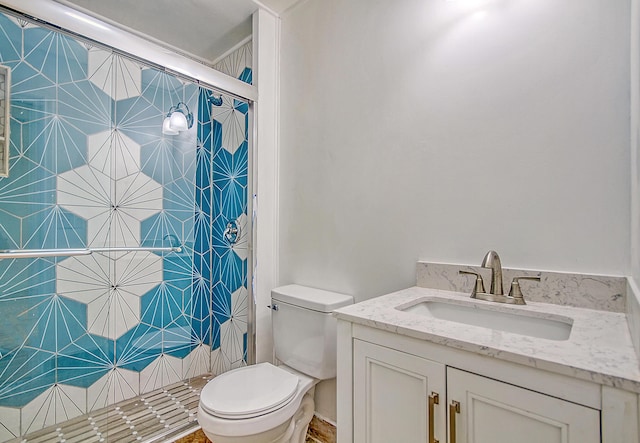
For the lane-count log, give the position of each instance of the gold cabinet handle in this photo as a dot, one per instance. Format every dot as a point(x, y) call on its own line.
point(434, 399)
point(454, 408)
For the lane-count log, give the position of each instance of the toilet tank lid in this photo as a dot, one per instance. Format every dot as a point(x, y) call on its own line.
point(311, 298)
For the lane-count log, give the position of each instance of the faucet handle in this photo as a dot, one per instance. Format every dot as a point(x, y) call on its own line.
point(515, 290)
point(479, 286)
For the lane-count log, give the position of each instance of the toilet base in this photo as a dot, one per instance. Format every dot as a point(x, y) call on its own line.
point(293, 430)
point(297, 430)
point(271, 436)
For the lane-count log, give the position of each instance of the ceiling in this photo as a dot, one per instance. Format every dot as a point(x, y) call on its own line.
point(204, 29)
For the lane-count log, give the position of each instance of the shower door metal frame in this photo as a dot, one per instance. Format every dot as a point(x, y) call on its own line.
point(90, 29)
point(251, 192)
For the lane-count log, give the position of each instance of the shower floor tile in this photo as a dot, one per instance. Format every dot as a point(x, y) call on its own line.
point(163, 415)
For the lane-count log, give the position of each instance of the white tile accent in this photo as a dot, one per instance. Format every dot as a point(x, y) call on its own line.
point(233, 123)
point(104, 67)
point(85, 191)
point(57, 404)
point(220, 362)
point(113, 208)
point(110, 288)
point(198, 362)
point(113, 314)
point(237, 61)
point(114, 154)
point(117, 385)
point(85, 278)
point(231, 331)
point(139, 196)
point(138, 272)
point(100, 70)
point(241, 246)
point(163, 371)
point(10, 423)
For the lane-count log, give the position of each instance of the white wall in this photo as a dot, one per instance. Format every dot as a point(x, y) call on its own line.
point(635, 140)
point(633, 292)
point(427, 129)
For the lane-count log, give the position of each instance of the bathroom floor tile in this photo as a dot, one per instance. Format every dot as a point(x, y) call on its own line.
point(164, 415)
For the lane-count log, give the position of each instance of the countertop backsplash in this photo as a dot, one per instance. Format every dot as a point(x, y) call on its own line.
point(605, 293)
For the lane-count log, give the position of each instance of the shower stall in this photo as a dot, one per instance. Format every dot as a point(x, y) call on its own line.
point(124, 259)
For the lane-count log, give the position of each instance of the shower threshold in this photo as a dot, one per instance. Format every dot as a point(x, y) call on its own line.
point(163, 415)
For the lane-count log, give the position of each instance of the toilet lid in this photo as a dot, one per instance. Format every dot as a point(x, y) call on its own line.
point(249, 391)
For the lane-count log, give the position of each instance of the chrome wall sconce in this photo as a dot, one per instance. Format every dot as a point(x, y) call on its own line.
point(178, 119)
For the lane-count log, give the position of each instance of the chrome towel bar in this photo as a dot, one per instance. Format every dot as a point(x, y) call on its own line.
point(41, 253)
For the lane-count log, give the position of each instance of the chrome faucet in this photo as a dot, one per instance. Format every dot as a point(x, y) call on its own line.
point(492, 261)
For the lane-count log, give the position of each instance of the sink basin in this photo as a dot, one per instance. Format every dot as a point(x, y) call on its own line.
point(514, 320)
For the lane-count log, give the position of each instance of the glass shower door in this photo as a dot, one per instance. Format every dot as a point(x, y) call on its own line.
point(91, 168)
point(55, 108)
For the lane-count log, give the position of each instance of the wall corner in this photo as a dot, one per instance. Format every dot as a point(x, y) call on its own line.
point(266, 59)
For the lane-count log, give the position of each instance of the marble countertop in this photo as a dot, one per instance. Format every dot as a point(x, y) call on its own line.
point(599, 348)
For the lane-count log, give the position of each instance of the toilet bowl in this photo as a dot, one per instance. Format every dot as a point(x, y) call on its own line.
point(264, 403)
point(257, 404)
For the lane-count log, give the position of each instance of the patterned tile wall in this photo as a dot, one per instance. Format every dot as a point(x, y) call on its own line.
point(238, 64)
point(90, 167)
point(230, 163)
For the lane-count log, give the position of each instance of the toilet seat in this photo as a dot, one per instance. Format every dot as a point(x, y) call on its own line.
point(235, 427)
point(249, 392)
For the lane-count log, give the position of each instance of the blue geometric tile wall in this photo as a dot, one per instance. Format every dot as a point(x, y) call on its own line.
point(89, 167)
point(229, 148)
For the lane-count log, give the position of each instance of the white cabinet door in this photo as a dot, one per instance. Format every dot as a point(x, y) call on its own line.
point(496, 412)
point(391, 392)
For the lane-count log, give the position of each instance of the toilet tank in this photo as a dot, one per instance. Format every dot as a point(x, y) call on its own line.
point(304, 331)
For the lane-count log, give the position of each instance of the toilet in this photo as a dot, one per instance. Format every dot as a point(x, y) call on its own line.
point(264, 403)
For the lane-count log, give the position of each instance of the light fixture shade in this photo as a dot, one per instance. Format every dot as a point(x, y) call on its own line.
point(178, 121)
point(166, 127)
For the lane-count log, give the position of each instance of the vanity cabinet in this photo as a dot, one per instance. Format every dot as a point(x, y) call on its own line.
point(486, 410)
point(396, 388)
point(406, 398)
point(398, 396)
